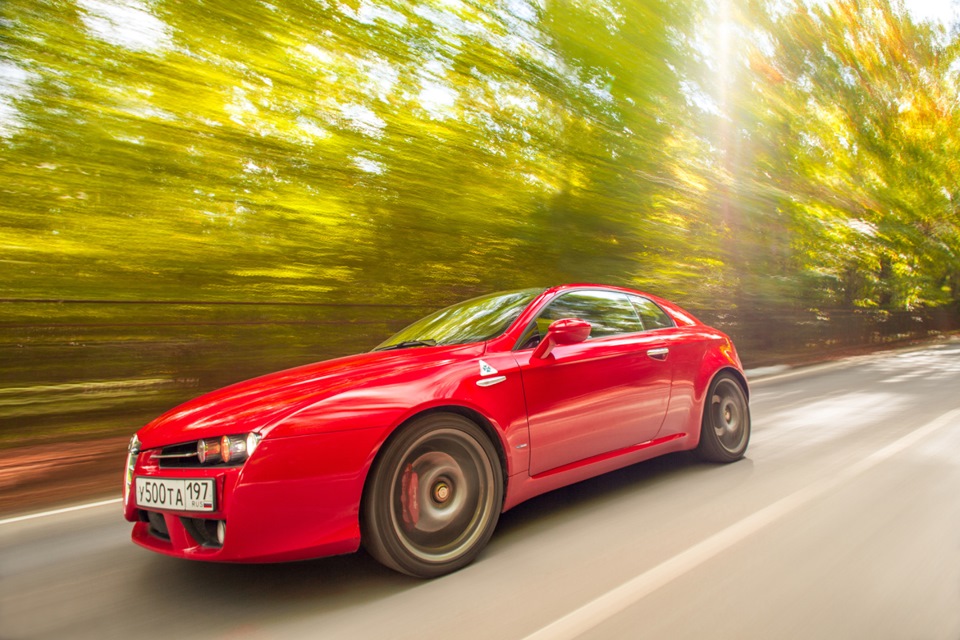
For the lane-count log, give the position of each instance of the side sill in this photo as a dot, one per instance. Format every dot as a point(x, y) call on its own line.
point(609, 455)
point(521, 489)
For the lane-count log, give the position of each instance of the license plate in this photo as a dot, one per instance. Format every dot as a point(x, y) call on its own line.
point(178, 494)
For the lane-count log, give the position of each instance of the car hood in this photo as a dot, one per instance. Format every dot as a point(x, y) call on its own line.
point(262, 402)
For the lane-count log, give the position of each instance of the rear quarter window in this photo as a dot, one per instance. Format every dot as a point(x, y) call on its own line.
point(651, 315)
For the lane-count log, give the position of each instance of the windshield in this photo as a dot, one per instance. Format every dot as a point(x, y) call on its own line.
point(475, 320)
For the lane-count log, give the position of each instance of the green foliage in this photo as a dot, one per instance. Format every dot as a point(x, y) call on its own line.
point(386, 151)
point(865, 104)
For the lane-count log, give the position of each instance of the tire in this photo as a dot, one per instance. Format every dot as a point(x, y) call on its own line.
point(725, 428)
point(434, 497)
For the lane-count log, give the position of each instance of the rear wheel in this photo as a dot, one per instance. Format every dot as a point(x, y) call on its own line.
point(725, 429)
point(434, 498)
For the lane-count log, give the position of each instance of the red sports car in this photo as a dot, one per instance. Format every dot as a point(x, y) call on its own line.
point(415, 448)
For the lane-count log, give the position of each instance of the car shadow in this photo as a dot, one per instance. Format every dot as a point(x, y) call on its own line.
point(323, 583)
point(547, 510)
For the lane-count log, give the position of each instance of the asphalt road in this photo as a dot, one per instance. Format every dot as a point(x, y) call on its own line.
point(843, 522)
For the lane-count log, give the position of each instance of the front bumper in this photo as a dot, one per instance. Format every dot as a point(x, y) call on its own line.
point(295, 498)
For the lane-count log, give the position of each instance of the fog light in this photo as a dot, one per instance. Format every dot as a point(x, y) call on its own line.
point(221, 531)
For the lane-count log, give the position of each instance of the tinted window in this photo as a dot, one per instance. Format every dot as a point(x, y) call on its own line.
point(609, 313)
point(652, 316)
point(475, 320)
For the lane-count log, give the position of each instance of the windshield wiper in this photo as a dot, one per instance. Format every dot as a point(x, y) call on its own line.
point(427, 342)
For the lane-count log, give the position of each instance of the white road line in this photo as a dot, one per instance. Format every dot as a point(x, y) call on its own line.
point(591, 614)
point(44, 514)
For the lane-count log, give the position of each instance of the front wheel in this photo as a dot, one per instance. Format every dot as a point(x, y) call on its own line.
point(434, 498)
point(725, 429)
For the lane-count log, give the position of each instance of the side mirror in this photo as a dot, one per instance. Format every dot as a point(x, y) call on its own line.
point(563, 331)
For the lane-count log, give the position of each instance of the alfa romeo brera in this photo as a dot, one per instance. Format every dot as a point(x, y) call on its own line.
point(414, 449)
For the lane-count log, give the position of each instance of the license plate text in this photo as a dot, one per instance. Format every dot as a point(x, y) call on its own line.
point(176, 494)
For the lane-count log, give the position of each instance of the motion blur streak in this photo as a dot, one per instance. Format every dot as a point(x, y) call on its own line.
point(588, 616)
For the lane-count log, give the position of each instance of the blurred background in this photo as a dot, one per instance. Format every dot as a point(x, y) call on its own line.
point(193, 193)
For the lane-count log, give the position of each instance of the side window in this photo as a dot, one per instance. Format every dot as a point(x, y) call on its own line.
point(652, 316)
point(609, 313)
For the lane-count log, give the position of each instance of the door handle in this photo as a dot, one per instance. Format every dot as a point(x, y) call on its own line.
point(659, 353)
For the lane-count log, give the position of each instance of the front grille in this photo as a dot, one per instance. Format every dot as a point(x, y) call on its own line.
point(179, 456)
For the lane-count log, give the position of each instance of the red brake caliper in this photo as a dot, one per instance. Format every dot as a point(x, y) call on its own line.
point(409, 485)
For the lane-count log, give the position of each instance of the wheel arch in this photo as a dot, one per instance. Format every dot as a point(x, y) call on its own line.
point(708, 381)
point(713, 364)
point(738, 375)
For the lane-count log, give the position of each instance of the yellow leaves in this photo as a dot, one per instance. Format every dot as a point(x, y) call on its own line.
point(763, 67)
point(293, 272)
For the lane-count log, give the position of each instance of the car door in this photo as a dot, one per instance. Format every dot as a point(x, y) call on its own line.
point(598, 396)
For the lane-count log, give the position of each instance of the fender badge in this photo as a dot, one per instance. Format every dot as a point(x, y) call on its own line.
point(486, 370)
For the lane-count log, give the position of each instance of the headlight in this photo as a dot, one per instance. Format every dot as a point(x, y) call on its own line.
point(252, 440)
point(207, 450)
point(133, 450)
point(228, 449)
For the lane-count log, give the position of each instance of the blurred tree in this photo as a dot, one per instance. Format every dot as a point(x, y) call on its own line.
point(865, 104)
point(772, 153)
